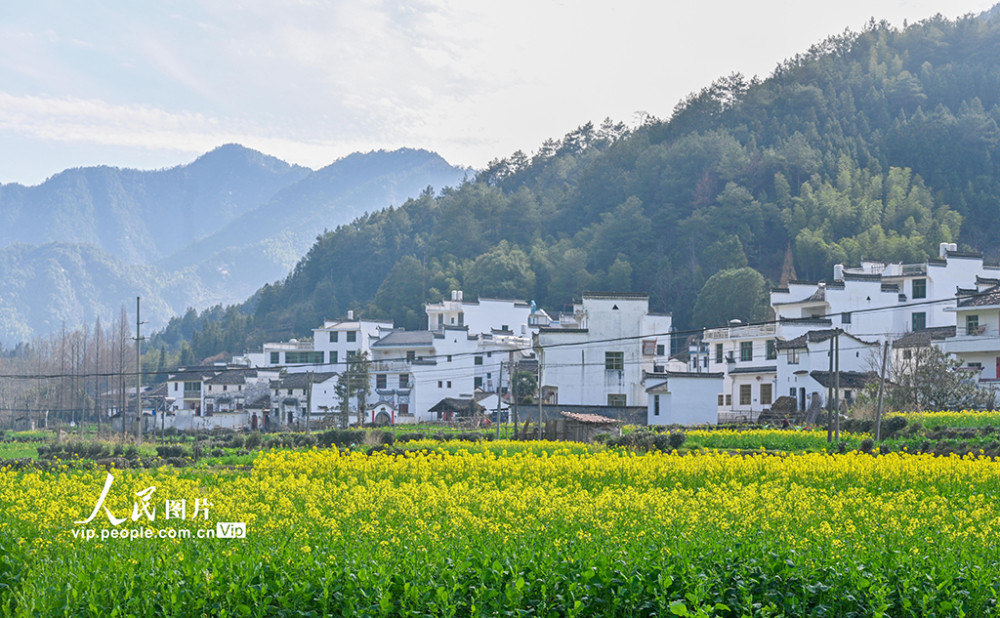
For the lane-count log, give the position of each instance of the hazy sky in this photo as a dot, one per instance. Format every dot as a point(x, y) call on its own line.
point(147, 85)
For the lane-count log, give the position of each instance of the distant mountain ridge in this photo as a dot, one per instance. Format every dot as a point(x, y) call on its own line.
point(88, 240)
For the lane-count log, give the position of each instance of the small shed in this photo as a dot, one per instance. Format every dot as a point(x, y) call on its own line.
point(579, 427)
point(454, 409)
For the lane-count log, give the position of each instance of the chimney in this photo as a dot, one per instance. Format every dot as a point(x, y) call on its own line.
point(350, 314)
point(838, 272)
point(953, 247)
point(459, 294)
point(943, 249)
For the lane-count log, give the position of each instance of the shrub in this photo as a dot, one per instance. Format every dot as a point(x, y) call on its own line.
point(173, 450)
point(866, 445)
point(677, 438)
point(252, 441)
point(893, 425)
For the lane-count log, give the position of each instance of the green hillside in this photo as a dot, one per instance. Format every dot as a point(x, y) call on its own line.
point(877, 144)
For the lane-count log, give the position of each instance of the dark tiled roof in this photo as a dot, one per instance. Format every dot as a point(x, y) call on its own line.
point(983, 299)
point(232, 377)
point(300, 380)
point(848, 379)
point(403, 338)
point(816, 336)
point(452, 404)
point(766, 369)
point(922, 338)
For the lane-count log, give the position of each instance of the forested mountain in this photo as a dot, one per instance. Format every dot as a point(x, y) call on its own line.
point(87, 241)
point(876, 144)
point(141, 216)
point(263, 244)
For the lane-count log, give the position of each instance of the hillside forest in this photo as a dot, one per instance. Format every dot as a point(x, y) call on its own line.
point(874, 144)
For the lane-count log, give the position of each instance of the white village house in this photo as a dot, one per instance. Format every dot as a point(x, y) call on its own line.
point(599, 359)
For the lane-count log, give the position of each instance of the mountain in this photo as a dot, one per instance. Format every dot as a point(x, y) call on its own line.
point(62, 284)
point(89, 240)
point(263, 244)
point(876, 144)
point(141, 216)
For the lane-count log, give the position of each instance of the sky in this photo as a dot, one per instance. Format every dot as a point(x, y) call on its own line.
point(152, 85)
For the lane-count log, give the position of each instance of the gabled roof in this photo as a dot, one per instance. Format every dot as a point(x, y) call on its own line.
point(453, 404)
point(765, 369)
point(300, 380)
point(232, 377)
point(848, 379)
point(985, 298)
point(816, 336)
point(406, 338)
point(923, 337)
point(589, 419)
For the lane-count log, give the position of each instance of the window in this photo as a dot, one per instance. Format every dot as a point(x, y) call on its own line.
point(616, 401)
point(404, 380)
point(353, 355)
point(793, 356)
point(907, 354)
point(614, 361)
point(478, 383)
point(440, 319)
point(381, 381)
point(729, 399)
point(656, 405)
point(404, 408)
point(718, 352)
point(489, 355)
point(845, 317)
point(972, 325)
point(411, 356)
point(772, 350)
point(176, 385)
point(722, 399)
point(352, 336)
point(304, 358)
point(440, 384)
point(765, 394)
point(449, 383)
point(333, 336)
point(192, 387)
point(660, 349)
point(919, 320)
point(275, 358)
point(333, 356)
point(449, 358)
point(461, 318)
point(504, 327)
point(919, 288)
point(744, 394)
point(746, 351)
point(478, 360)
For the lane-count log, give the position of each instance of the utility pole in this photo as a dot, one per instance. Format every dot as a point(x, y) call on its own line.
point(829, 400)
point(881, 391)
point(836, 381)
point(309, 399)
point(138, 376)
point(539, 393)
point(499, 393)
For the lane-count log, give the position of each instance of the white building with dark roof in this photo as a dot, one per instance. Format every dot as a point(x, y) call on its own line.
point(976, 341)
point(601, 359)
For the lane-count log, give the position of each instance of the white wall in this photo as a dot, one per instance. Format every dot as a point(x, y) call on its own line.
point(684, 400)
point(573, 360)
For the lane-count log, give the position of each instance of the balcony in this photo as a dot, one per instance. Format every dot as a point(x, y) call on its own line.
point(976, 339)
point(390, 366)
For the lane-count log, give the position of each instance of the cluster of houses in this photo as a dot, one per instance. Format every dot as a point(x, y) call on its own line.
point(609, 356)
